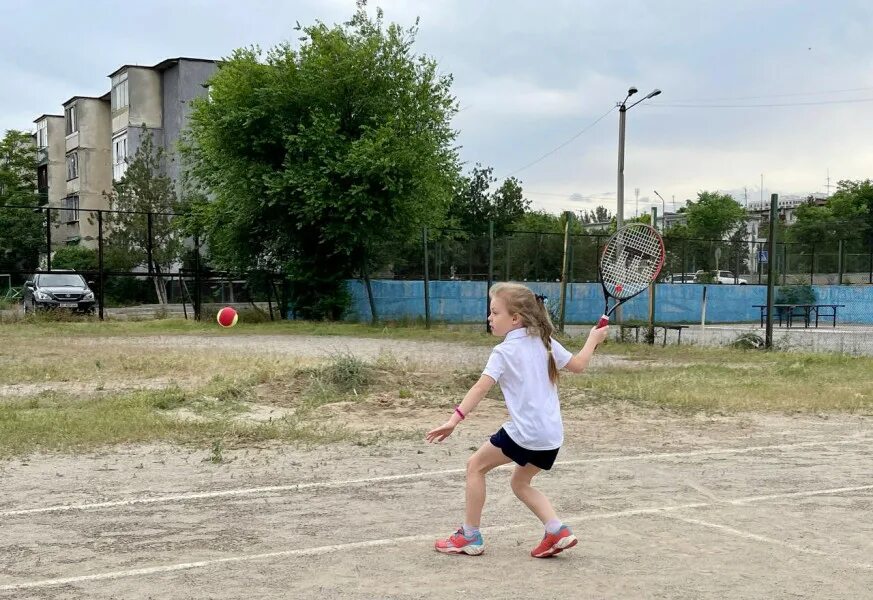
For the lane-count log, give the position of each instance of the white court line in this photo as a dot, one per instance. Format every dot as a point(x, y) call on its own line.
point(761, 538)
point(406, 476)
point(383, 542)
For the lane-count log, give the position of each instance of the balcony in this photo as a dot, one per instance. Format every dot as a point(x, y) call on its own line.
point(42, 156)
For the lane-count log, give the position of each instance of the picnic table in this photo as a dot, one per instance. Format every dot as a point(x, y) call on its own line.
point(789, 311)
point(665, 326)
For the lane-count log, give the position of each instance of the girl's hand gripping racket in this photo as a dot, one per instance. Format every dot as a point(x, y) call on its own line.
point(631, 261)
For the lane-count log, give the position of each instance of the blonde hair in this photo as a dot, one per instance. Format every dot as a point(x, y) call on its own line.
point(531, 308)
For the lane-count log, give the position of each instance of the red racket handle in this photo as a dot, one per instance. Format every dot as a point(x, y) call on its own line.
point(603, 322)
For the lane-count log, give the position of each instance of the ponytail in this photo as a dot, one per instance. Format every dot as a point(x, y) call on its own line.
point(546, 329)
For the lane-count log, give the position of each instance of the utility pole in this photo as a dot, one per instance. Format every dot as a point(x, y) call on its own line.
point(762, 191)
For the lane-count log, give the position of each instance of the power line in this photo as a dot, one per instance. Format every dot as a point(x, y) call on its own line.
point(655, 104)
point(553, 150)
point(794, 94)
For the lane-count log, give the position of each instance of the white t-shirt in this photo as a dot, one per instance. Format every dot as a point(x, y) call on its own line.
point(520, 365)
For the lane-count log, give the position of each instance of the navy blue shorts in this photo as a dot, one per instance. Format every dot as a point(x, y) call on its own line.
point(544, 459)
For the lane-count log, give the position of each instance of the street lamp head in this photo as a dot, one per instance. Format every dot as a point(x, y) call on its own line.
point(631, 91)
point(653, 93)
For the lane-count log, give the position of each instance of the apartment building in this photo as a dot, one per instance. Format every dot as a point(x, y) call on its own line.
point(88, 148)
point(51, 182)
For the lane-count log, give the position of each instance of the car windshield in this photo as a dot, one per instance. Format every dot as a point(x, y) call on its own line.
point(61, 281)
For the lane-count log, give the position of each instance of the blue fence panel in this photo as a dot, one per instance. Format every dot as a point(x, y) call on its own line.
point(465, 301)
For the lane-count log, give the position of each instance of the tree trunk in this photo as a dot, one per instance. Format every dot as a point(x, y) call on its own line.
point(160, 287)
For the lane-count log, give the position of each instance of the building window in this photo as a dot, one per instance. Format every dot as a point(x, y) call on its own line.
point(119, 91)
point(70, 212)
point(70, 119)
point(72, 165)
point(119, 157)
point(42, 134)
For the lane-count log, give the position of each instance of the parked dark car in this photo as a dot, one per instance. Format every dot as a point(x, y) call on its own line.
point(58, 290)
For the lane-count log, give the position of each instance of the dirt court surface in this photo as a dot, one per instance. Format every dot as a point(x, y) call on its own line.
point(665, 506)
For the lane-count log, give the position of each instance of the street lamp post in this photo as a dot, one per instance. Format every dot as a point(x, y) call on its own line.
point(663, 211)
point(622, 110)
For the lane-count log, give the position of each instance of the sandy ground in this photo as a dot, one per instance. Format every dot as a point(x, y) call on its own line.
point(665, 506)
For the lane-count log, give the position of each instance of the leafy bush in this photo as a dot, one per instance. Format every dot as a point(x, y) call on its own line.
point(795, 294)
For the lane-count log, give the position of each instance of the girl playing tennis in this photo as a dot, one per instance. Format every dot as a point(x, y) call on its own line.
point(526, 366)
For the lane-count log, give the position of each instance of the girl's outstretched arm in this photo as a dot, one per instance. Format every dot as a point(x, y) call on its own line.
point(470, 401)
point(579, 362)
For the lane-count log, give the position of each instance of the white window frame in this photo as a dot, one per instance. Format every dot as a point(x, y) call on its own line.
point(119, 156)
point(70, 214)
point(70, 120)
point(72, 166)
point(120, 96)
point(42, 134)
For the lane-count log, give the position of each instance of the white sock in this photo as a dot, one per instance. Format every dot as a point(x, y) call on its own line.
point(470, 531)
point(553, 526)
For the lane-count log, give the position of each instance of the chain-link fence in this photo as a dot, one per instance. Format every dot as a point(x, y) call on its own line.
point(709, 291)
point(129, 264)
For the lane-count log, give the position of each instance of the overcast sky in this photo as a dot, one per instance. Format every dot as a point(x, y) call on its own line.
point(782, 89)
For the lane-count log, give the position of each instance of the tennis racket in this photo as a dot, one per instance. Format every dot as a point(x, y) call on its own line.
point(631, 261)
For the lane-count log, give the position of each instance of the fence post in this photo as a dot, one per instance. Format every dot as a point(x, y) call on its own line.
point(150, 243)
point(840, 261)
point(426, 280)
point(597, 258)
point(870, 279)
point(812, 266)
point(506, 275)
point(100, 275)
point(650, 336)
point(48, 238)
point(760, 268)
point(771, 258)
point(198, 304)
point(786, 247)
point(490, 273)
point(568, 215)
point(684, 259)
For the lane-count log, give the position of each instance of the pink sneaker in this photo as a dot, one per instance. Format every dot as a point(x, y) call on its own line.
point(458, 543)
point(554, 543)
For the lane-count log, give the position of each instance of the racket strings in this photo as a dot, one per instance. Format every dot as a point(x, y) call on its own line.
point(631, 260)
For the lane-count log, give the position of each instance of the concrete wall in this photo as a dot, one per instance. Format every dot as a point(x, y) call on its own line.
point(57, 165)
point(95, 163)
point(144, 91)
point(181, 84)
point(465, 301)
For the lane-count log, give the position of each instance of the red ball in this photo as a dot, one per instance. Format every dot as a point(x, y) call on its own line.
point(227, 317)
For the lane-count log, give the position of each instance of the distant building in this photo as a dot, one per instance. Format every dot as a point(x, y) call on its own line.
point(81, 153)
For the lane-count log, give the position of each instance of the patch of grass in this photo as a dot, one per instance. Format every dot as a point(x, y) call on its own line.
point(347, 372)
point(466, 333)
point(56, 423)
point(732, 381)
point(216, 456)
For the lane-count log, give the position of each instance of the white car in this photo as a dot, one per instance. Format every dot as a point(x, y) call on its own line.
point(722, 277)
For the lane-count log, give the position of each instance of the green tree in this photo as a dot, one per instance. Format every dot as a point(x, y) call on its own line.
point(317, 156)
point(714, 216)
point(599, 215)
point(23, 229)
point(144, 189)
point(711, 220)
point(475, 205)
point(852, 208)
